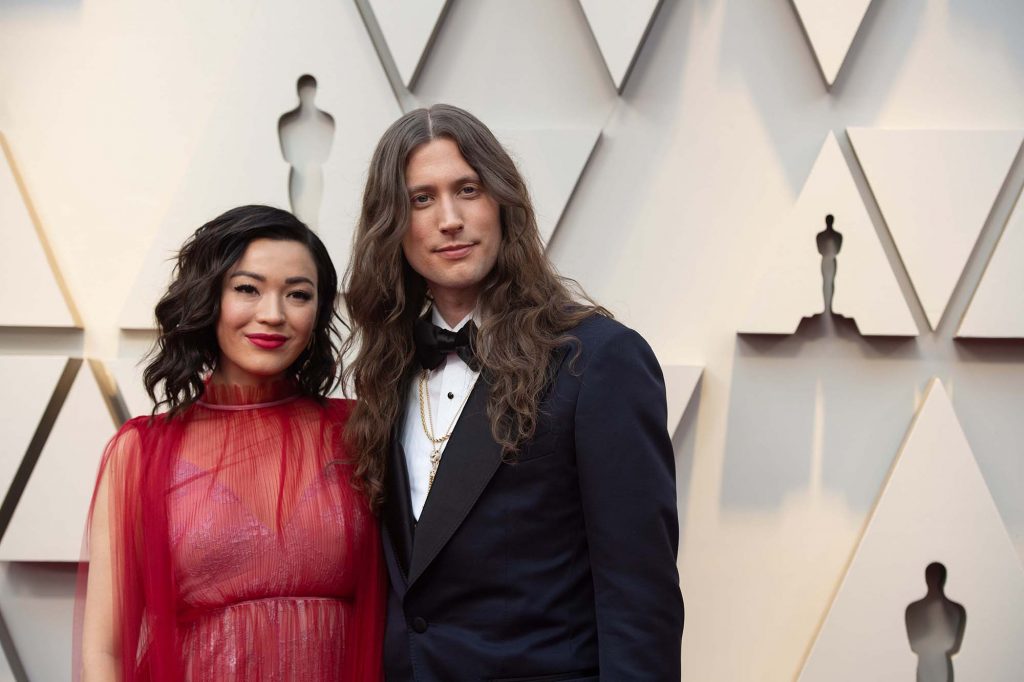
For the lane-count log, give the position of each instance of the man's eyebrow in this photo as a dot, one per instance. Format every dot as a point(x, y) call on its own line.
point(457, 181)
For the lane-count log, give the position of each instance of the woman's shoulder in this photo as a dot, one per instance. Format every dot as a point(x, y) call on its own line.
point(144, 424)
point(130, 433)
point(130, 438)
point(124, 449)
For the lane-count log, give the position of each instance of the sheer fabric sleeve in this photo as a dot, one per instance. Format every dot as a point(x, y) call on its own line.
point(99, 623)
point(124, 607)
point(366, 639)
point(368, 631)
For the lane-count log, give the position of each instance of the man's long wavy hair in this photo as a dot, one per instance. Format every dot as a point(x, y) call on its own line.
point(527, 306)
point(186, 350)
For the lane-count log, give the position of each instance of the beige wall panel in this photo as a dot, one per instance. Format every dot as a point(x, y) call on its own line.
point(935, 189)
point(38, 605)
point(997, 309)
point(680, 382)
point(127, 373)
point(551, 161)
point(25, 391)
point(30, 295)
point(831, 26)
point(619, 27)
point(103, 104)
point(50, 518)
point(790, 285)
point(935, 506)
point(519, 64)
point(408, 29)
point(239, 158)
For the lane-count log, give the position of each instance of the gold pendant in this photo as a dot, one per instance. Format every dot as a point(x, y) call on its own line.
point(435, 462)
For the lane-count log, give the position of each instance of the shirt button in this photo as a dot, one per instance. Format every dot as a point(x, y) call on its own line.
point(451, 395)
point(419, 625)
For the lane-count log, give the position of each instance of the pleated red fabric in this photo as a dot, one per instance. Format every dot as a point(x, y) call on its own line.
point(241, 550)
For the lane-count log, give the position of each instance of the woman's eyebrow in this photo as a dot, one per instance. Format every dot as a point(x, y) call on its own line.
point(246, 273)
point(299, 279)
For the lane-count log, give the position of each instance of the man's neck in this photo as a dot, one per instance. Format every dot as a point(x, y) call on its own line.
point(453, 307)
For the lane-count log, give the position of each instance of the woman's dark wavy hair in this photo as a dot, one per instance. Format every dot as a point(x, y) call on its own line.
point(186, 349)
point(528, 307)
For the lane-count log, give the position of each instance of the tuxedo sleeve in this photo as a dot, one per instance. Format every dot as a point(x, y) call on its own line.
point(627, 483)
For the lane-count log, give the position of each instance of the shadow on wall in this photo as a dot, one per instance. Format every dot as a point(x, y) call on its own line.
point(38, 600)
point(306, 135)
point(989, 18)
point(684, 444)
point(650, 104)
point(40, 6)
point(791, 80)
point(823, 424)
point(935, 628)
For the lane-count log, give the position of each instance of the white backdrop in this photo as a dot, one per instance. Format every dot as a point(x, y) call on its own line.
point(107, 105)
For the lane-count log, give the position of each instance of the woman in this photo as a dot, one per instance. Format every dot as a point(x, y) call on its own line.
point(230, 539)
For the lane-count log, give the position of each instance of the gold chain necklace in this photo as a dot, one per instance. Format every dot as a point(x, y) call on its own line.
point(427, 421)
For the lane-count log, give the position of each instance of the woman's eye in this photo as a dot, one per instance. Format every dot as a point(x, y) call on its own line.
point(302, 295)
point(246, 289)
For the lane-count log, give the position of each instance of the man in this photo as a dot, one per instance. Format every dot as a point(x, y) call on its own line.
point(514, 431)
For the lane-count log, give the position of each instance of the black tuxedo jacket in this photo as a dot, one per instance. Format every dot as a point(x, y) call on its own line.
point(558, 563)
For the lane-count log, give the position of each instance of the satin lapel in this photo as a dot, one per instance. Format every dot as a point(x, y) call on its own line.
point(469, 461)
point(397, 510)
point(396, 572)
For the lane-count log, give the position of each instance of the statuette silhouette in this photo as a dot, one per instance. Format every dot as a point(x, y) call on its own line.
point(830, 242)
point(306, 134)
point(935, 627)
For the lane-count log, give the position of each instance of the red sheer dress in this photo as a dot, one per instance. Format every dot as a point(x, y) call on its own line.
point(240, 550)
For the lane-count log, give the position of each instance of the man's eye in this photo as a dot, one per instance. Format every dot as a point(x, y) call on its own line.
point(246, 289)
point(470, 190)
point(421, 199)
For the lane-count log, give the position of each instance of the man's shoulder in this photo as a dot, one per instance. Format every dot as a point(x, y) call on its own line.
point(597, 330)
point(599, 336)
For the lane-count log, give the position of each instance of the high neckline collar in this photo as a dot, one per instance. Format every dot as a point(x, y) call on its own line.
point(237, 397)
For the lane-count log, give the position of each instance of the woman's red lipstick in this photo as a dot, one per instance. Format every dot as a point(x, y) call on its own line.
point(267, 341)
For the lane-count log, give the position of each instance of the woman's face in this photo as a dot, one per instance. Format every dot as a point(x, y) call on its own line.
point(268, 309)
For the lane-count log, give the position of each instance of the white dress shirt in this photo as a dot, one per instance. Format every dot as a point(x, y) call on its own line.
point(447, 388)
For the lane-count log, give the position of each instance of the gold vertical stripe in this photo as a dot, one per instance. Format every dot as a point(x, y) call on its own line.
point(112, 397)
point(40, 234)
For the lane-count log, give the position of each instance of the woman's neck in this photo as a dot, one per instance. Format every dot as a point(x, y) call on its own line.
point(233, 376)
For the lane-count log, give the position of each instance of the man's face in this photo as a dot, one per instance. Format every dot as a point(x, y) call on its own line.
point(454, 226)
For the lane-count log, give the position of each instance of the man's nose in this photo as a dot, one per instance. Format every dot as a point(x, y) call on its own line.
point(451, 217)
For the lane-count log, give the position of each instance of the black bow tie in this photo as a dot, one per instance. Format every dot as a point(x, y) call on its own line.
point(433, 343)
